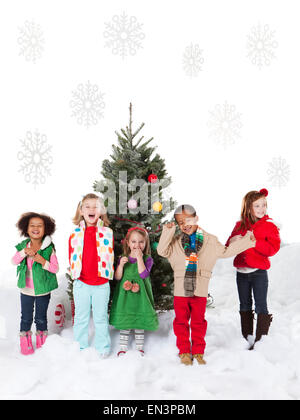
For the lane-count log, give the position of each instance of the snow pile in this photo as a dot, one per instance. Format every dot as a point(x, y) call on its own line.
point(60, 371)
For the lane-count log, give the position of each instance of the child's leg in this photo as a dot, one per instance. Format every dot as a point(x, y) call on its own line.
point(100, 298)
point(244, 286)
point(124, 338)
point(139, 339)
point(181, 324)
point(41, 307)
point(82, 300)
point(27, 305)
point(198, 324)
point(260, 290)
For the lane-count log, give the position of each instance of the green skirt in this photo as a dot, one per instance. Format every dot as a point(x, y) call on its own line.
point(133, 310)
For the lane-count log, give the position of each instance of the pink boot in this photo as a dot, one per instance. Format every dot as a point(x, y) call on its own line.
point(41, 337)
point(26, 342)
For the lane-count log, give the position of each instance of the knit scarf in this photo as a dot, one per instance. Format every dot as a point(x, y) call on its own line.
point(104, 242)
point(191, 260)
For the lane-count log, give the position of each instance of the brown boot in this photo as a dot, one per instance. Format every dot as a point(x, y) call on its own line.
point(247, 318)
point(199, 358)
point(262, 326)
point(186, 358)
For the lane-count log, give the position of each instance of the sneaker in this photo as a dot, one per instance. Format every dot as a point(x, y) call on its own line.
point(199, 358)
point(142, 353)
point(186, 358)
point(26, 343)
point(121, 353)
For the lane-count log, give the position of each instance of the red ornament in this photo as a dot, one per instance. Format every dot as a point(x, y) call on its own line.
point(164, 285)
point(264, 192)
point(152, 178)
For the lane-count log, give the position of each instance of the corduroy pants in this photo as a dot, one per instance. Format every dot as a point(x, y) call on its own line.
point(190, 321)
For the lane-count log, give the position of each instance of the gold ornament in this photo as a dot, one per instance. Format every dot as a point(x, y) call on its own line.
point(157, 206)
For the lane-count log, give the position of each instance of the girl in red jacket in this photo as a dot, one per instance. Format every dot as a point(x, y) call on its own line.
point(252, 264)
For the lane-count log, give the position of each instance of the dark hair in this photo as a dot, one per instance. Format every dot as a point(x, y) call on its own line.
point(23, 223)
point(187, 208)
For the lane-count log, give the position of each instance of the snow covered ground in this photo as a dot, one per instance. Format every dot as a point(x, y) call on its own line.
point(60, 371)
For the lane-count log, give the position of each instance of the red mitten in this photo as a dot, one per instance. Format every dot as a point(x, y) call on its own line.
point(135, 288)
point(127, 285)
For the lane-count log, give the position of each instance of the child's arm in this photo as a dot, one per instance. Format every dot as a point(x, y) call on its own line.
point(236, 247)
point(51, 265)
point(270, 244)
point(18, 257)
point(119, 270)
point(148, 265)
point(165, 248)
point(144, 268)
point(234, 234)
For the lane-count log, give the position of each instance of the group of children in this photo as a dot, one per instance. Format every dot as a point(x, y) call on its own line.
point(192, 255)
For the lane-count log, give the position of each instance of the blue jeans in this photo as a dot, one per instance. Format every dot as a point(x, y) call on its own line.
point(41, 307)
point(257, 281)
point(88, 297)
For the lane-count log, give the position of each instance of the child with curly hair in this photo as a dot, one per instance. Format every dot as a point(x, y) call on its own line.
point(36, 270)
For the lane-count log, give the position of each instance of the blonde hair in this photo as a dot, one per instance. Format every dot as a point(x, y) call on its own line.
point(141, 231)
point(78, 217)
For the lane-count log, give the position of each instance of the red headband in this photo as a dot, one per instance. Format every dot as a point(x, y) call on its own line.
point(264, 192)
point(136, 228)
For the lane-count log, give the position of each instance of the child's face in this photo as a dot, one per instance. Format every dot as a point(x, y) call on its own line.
point(259, 208)
point(136, 241)
point(91, 211)
point(187, 223)
point(36, 228)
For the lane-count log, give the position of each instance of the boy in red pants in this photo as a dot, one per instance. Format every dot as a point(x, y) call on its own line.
point(192, 255)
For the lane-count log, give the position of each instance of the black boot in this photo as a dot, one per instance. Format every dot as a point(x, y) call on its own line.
point(262, 326)
point(247, 318)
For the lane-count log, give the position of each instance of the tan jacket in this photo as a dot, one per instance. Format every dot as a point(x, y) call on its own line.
point(170, 247)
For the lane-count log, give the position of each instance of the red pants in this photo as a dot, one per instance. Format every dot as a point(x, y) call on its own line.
point(186, 309)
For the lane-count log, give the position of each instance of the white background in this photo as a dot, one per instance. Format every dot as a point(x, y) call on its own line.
point(175, 107)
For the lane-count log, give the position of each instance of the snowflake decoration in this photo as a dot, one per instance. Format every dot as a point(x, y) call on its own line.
point(31, 41)
point(124, 35)
point(36, 158)
point(225, 124)
point(192, 60)
point(261, 45)
point(279, 172)
point(87, 104)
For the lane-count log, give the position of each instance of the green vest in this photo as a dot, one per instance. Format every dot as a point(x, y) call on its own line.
point(133, 310)
point(43, 280)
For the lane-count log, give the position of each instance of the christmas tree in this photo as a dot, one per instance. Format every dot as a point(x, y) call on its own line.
point(135, 192)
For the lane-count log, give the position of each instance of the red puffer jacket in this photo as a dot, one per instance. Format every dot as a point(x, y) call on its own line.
point(267, 244)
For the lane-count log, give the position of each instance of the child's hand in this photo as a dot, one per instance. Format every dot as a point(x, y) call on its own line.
point(137, 253)
point(251, 235)
point(29, 252)
point(235, 238)
point(39, 259)
point(170, 225)
point(123, 261)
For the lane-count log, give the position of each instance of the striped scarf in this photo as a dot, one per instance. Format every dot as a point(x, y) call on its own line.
point(191, 259)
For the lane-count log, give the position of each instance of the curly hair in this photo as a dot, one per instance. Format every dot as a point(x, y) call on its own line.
point(24, 220)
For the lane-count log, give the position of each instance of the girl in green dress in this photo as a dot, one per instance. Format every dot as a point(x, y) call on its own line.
point(133, 305)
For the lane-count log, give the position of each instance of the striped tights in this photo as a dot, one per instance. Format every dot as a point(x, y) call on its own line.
point(124, 338)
